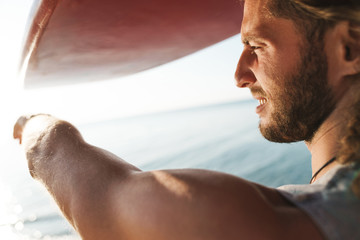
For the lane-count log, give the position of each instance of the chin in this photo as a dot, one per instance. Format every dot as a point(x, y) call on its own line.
point(264, 123)
point(272, 133)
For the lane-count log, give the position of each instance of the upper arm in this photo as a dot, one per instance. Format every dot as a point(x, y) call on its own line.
point(199, 204)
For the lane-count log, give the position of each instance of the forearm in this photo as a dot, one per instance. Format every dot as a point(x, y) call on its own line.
point(77, 174)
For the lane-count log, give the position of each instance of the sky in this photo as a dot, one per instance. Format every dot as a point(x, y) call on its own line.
point(205, 77)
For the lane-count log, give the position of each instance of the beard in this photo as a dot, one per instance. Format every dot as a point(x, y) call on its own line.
point(303, 103)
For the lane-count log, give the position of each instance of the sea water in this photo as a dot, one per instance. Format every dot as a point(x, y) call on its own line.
point(221, 137)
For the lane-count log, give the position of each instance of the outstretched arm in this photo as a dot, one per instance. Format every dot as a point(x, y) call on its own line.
point(105, 197)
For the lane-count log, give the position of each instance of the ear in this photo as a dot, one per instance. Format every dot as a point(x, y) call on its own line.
point(344, 42)
point(353, 47)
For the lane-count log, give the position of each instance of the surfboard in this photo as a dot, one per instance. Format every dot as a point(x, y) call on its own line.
point(73, 41)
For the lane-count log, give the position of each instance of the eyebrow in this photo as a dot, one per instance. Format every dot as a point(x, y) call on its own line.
point(260, 34)
point(247, 39)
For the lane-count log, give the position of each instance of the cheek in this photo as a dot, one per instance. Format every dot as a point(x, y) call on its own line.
point(282, 59)
point(270, 74)
point(280, 64)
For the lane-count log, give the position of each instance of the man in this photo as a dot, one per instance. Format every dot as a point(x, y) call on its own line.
point(305, 89)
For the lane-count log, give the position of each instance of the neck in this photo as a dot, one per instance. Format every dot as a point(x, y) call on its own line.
point(326, 142)
point(325, 145)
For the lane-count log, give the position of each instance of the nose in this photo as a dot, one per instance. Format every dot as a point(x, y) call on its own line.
point(244, 75)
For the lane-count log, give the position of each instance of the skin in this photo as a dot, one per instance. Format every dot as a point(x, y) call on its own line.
point(104, 197)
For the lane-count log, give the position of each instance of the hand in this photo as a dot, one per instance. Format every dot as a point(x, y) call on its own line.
point(19, 127)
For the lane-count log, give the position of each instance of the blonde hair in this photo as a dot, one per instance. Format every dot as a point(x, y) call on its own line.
point(350, 143)
point(313, 18)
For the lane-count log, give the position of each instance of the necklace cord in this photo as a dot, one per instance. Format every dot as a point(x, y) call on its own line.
point(324, 166)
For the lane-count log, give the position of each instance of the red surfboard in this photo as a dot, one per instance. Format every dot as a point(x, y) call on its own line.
point(72, 41)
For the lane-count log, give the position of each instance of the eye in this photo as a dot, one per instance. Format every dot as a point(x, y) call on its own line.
point(252, 48)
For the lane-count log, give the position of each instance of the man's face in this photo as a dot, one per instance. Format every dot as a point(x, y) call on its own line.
point(286, 74)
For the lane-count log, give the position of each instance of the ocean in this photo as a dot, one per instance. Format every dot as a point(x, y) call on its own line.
point(222, 137)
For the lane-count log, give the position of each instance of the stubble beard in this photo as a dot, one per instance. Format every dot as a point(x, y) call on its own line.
point(303, 103)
